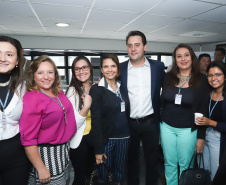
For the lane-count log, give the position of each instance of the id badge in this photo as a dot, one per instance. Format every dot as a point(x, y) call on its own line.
point(178, 99)
point(123, 106)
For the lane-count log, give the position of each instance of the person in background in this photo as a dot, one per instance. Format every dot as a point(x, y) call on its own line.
point(184, 92)
point(204, 61)
point(14, 165)
point(215, 141)
point(47, 123)
point(219, 54)
point(141, 80)
point(110, 131)
point(81, 152)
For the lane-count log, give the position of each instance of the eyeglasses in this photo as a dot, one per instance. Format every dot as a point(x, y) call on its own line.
point(214, 75)
point(83, 68)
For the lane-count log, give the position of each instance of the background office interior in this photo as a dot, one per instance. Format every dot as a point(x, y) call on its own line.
point(101, 26)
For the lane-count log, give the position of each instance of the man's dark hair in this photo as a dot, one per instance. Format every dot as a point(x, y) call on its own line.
point(221, 49)
point(136, 33)
point(204, 55)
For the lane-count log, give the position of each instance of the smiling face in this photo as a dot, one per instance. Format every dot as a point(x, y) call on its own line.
point(45, 76)
point(8, 57)
point(183, 59)
point(109, 69)
point(136, 49)
point(217, 78)
point(82, 71)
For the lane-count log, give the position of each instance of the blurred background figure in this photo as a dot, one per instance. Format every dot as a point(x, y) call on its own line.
point(204, 61)
point(219, 54)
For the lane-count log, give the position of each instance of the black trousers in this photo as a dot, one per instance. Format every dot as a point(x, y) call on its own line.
point(220, 177)
point(83, 160)
point(146, 132)
point(14, 164)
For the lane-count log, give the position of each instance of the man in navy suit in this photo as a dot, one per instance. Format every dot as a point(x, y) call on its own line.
point(141, 80)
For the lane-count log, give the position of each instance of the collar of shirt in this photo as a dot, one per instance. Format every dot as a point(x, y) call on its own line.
point(146, 63)
point(102, 84)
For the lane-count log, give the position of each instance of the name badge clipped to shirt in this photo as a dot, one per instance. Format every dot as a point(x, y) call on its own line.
point(178, 99)
point(123, 106)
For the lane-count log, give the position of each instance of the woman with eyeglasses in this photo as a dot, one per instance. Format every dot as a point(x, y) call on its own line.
point(110, 131)
point(215, 141)
point(81, 152)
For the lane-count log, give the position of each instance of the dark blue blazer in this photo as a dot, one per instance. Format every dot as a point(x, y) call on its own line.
point(157, 76)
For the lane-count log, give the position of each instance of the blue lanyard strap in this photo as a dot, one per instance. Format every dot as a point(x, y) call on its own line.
point(6, 99)
point(211, 111)
point(118, 93)
point(59, 103)
point(183, 83)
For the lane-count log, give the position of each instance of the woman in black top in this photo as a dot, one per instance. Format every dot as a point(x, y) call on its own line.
point(185, 91)
point(215, 142)
point(14, 165)
point(109, 125)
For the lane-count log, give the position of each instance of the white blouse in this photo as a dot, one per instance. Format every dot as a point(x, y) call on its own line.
point(13, 112)
point(80, 120)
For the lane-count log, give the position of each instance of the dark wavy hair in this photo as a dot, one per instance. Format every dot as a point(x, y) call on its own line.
point(222, 67)
point(75, 82)
point(136, 33)
point(30, 82)
point(195, 68)
point(17, 73)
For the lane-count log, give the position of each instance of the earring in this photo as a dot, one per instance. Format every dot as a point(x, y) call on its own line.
point(16, 65)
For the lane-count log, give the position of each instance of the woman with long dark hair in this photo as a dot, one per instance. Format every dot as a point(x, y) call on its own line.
point(14, 165)
point(185, 91)
point(81, 152)
point(215, 141)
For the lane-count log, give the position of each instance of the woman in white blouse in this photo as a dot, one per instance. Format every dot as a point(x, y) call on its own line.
point(81, 153)
point(13, 161)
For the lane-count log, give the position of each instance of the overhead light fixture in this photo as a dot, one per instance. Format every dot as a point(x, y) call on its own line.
point(62, 24)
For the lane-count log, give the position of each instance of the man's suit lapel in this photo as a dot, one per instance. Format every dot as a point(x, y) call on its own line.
point(153, 78)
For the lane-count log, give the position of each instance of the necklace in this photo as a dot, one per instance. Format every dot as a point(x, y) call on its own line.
point(5, 83)
point(183, 78)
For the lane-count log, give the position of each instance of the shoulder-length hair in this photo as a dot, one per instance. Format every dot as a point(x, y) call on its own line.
point(30, 82)
point(17, 73)
point(195, 68)
point(77, 84)
point(222, 67)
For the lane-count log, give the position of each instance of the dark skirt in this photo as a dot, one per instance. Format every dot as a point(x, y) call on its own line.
point(56, 159)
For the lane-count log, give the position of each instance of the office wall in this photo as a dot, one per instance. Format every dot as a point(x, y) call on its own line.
point(97, 44)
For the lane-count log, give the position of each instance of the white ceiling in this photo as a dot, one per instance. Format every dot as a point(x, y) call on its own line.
point(189, 21)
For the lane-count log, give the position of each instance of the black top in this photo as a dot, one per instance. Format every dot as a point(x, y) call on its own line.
point(217, 114)
point(179, 116)
point(121, 128)
point(200, 102)
point(104, 116)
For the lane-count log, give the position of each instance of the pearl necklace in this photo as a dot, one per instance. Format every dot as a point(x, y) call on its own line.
point(5, 83)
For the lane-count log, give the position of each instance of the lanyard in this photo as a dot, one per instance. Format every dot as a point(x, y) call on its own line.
point(6, 99)
point(118, 93)
point(3, 107)
point(211, 111)
point(183, 83)
point(59, 103)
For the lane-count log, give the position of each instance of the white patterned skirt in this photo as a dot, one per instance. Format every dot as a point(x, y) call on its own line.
point(56, 159)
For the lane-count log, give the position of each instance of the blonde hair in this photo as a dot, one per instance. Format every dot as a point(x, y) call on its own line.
point(29, 76)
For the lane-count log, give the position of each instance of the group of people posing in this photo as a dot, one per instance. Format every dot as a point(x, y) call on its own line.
point(43, 128)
